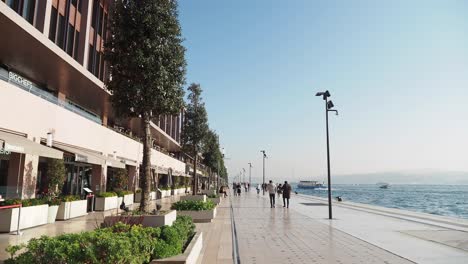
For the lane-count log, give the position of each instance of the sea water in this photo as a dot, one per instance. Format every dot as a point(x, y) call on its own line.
point(446, 200)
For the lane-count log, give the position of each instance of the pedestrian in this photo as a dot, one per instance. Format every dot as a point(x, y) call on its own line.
point(258, 189)
point(271, 188)
point(279, 190)
point(239, 189)
point(286, 194)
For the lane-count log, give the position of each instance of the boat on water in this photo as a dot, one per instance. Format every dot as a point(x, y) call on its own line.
point(310, 185)
point(383, 185)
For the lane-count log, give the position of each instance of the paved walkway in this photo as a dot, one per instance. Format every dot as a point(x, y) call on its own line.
point(280, 235)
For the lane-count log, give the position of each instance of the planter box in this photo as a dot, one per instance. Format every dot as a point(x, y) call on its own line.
point(73, 209)
point(52, 214)
point(144, 220)
point(204, 216)
point(216, 200)
point(138, 197)
point(190, 255)
point(128, 199)
point(209, 192)
point(193, 198)
point(31, 216)
point(106, 203)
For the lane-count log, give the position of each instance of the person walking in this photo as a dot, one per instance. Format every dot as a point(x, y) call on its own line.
point(271, 188)
point(286, 194)
point(279, 190)
point(239, 189)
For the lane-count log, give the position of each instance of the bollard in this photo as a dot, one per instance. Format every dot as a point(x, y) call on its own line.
point(18, 229)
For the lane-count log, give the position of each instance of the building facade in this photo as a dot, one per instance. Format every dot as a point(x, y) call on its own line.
point(55, 105)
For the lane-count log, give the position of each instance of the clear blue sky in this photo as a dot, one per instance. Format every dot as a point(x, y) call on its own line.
point(397, 72)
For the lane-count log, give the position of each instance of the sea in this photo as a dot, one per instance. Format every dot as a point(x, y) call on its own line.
point(445, 200)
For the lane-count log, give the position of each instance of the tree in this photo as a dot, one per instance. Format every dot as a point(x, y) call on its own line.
point(195, 128)
point(147, 67)
point(55, 176)
point(212, 155)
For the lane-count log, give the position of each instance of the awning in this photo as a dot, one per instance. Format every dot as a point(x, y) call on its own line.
point(128, 162)
point(18, 144)
point(82, 155)
point(159, 169)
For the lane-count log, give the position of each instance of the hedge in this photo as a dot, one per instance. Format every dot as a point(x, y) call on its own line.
point(118, 244)
point(122, 193)
point(193, 205)
point(106, 194)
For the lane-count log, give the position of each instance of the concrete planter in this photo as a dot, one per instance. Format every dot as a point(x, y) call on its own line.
point(31, 216)
point(106, 203)
point(209, 192)
point(73, 209)
point(216, 200)
point(52, 214)
point(204, 216)
point(165, 193)
point(190, 255)
point(193, 198)
point(144, 220)
point(138, 196)
point(128, 199)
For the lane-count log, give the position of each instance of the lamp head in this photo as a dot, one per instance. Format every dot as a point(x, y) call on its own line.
point(330, 105)
point(325, 94)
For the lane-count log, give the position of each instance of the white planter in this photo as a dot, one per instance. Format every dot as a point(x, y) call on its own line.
point(152, 195)
point(128, 199)
point(31, 216)
point(106, 203)
point(216, 200)
point(204, 216)
point(52, 214)
point(190, 255)
point(73, 209)
point(193, 198)
point(144, 220)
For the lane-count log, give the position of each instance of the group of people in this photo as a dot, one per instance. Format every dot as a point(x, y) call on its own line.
point(282, 189)
point(237, 187)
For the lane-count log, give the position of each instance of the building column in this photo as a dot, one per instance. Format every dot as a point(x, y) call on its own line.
point(132, 177)
point(31, 162)
point(99, 178)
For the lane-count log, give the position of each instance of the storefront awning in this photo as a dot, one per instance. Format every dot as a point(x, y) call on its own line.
point(18, 144)
point(128, 162)
point(82, 155)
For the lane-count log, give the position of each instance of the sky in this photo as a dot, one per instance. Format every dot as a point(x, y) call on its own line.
point(397, 72)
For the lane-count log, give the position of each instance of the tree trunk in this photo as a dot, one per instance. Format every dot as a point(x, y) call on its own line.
point(146, 179)
point(195, 177)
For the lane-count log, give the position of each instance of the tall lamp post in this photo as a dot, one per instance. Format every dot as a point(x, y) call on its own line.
point(328, 108)
point(250, 174)
point(263, 185)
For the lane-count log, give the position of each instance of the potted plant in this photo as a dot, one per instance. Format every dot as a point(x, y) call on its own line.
point(106, 201)
point(54, 203)
point(214, 198)
point(71, 206)
point(34, 212)
point(155, 219)
point(200, 211)
point(55, 177)
point(138, 196)
point(127, 197)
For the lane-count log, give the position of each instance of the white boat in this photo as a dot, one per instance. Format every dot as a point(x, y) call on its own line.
point(383, 185)
point(309, 185)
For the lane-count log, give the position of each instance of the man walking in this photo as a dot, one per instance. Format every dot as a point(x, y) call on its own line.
point(286, 194)
point(271, 188)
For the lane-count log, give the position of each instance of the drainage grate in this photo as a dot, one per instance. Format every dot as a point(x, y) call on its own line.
point(314, 204)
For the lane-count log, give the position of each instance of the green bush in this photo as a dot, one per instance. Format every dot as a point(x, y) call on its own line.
point(193, 205)
point(122, 193)
point(117, 244)
point(11, 202)
point(53, 201)
point(70, 198)
point(138, 191)
point(55, 175)
point(25, 203)
point(106, 194)
point(165, 188)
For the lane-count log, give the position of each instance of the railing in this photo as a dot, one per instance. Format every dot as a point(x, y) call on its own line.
point(32, 88)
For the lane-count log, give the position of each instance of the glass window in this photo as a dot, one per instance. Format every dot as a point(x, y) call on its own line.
point(28, 10)
point(70, 40)
point(61, 31)
point(75, 50)
point(53, 24)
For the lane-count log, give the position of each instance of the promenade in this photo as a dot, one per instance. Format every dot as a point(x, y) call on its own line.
point(303, 234)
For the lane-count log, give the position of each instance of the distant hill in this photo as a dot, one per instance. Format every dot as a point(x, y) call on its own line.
point(409, 177)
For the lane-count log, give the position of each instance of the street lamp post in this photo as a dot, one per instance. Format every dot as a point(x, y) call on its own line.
point(263, 185)
point(250, 174)
point(328, 108)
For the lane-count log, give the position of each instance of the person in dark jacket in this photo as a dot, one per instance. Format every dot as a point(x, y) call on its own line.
point(286, 194)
